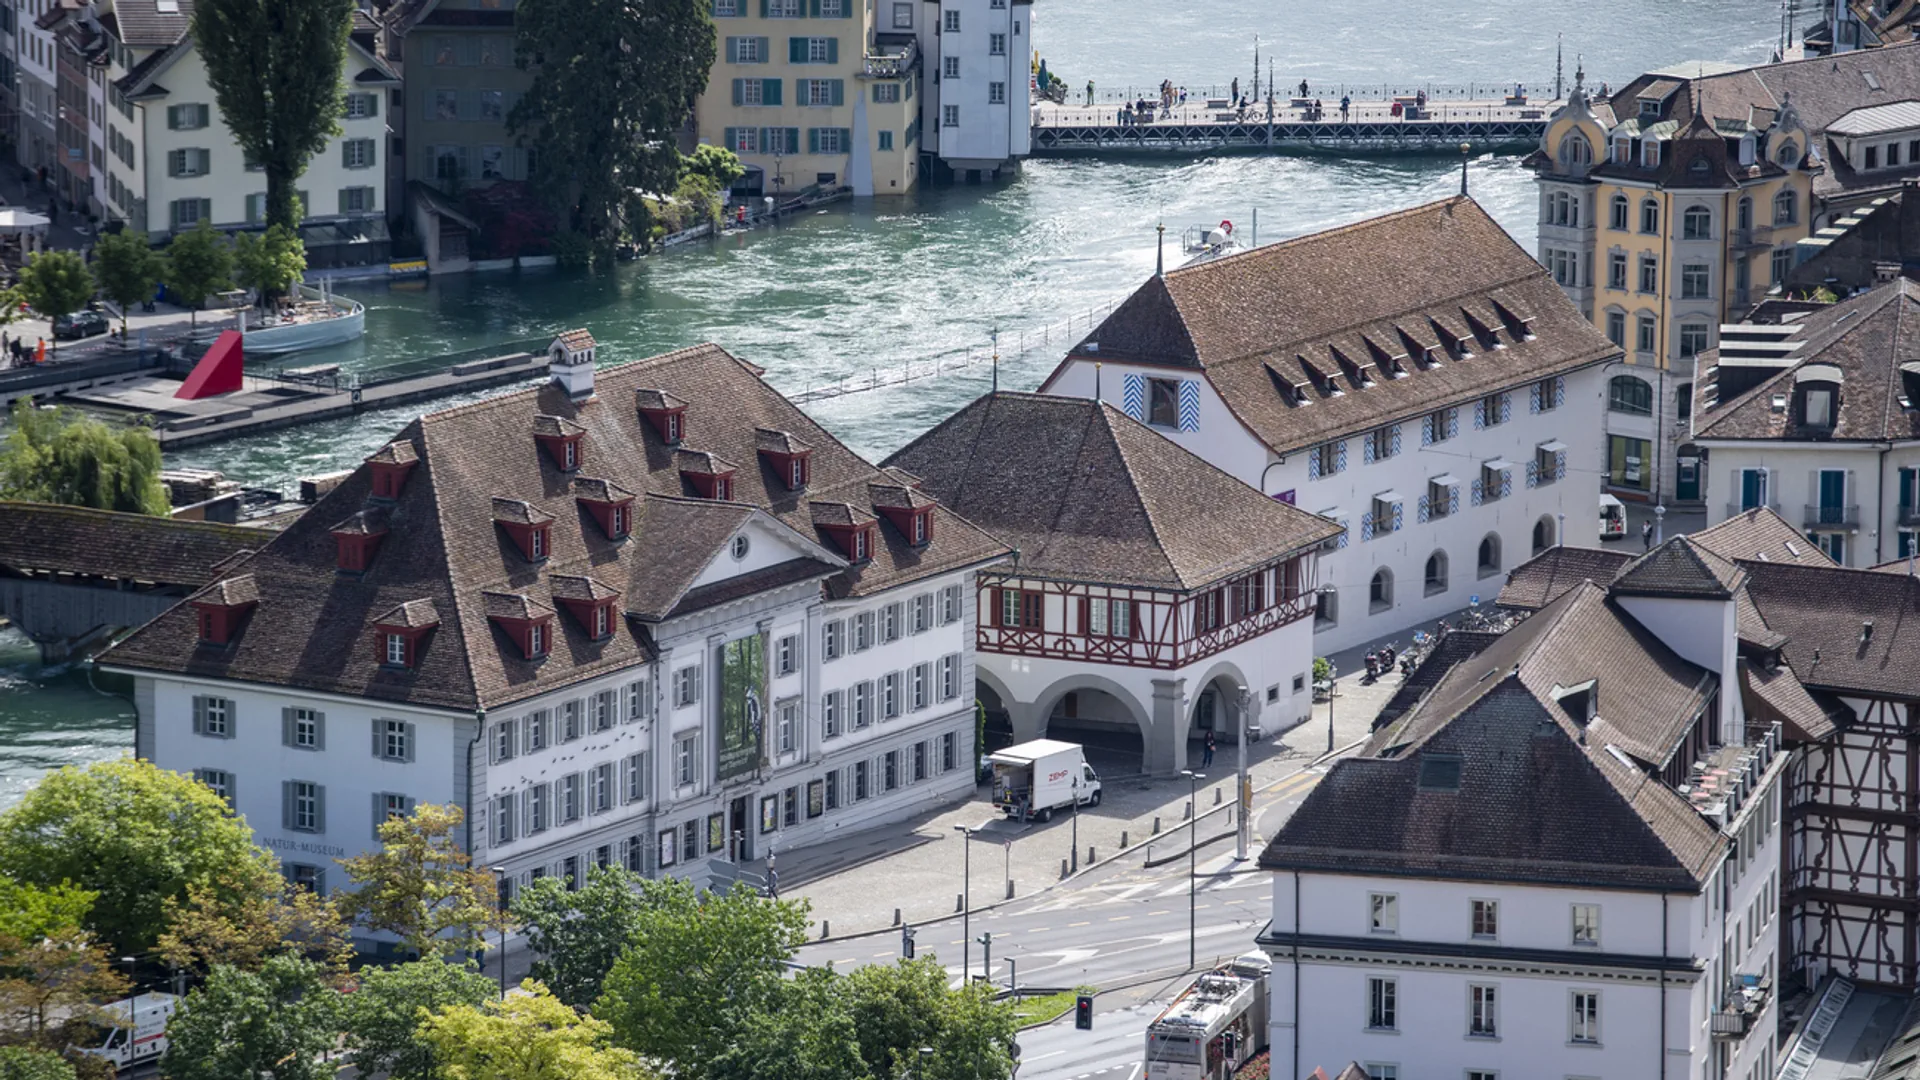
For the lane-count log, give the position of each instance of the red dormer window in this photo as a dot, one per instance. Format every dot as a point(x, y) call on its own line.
point(922, 528)
point(914, 522)
point(222, 607)
point(562, 439)
point(537, 542)
point(402, 630)
point(667, 414)
point(797, 472)
point(525, 621)
point(610, 505)
point(787, 461)
point(718, 485)
point(356, 539)
point(589, 601)
point(389, 468)
point(672, 425)
point(536, 640)
point(619, 520)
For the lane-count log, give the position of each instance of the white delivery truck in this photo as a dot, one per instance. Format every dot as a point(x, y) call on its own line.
point(138, 1032)
point(1034, 779)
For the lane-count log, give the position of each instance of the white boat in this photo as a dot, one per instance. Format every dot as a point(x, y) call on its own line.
point(310, 319)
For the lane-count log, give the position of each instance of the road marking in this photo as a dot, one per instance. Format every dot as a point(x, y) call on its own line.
point(848, 960)
point(1043, 1057)
point(1135, 1071)
point(889, 952)
point(1117, 918)
point(1073, 924)
point(1151, 914)
point(1038, 930)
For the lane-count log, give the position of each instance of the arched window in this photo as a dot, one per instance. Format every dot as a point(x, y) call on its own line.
point(1786, 207)
point(1575, 149)
point(1649, 216)
point(1696, 224)
point(1788, 154)
point(1380, 591)
point(1543, 532)
point(1627, 394)
point(1436, 573)
point(1490, 554)
point(1746, 213)
point(1618, 220)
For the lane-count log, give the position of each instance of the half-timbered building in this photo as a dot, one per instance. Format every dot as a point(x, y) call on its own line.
point(1150, 593)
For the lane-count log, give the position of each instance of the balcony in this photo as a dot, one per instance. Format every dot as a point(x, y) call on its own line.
point(1760, 236)
point(891, 63)
point(1823, 516)
point(1737, 507)
point(1909, 514)
point(1746, 1001)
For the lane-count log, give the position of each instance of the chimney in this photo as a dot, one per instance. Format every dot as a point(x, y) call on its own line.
point(570, 359)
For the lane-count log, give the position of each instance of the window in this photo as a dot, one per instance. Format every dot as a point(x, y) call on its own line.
point(890, 695)
point(952, 23)
point(830, 639)
point(1546, 466)
point(570, 798)
point(1693, 281)
point(918, 676)
point(1483, 1015)
point(821, 91)
point(307, 876)
point(819, 50)
point(1696, 224)
point(1329, 458)
point(305, 806)
point(949, 116)
point(397, 650)
point(950, 604)
point(1493, 410)
point(1786, 207)
point(1437, 427)
point(393, 740)
point(1649, 216)
point(1586, 924)
point(1693, 339)
point(1565, 266)
point(787, 715)
point(1380, 443)
point(786, 655)
point(949, 677)
point(1383, 1004)
point(190, 212)
point(1486, 918)
point(686, 686)
point(996, 44)
point(600, 788)
point(830, 714)
point(188, 117)
point(356, 153)
point(304, 730)
point(833, 9)
point(950, 68)
point(1617, 214)
point(1563, 208)
point(996, 93)
point(219, 780)
point(684, 759)
point(1107, 617)
point(1489, 555)
point(1617, 271)
point(1380, 591)
point(1586, 1016)
point(1022, 609)
point(1163, 403)
point(862, 631)
point(1819, 408)
point(636, 773)
point(890, 623)
point(1782, 265)
point(862, 778)
point(862, 694)
point(388, 806)
point(570, 721)
point(1649, 274)
point(785, 9)
point(1627, 394)
point(1385, 913)
point(1643, 334)
point(503, 819)
point(830, 792)
point(890, 770)
point(886, 140)
point(903, 16)
point(356, 200)
point(1617, 323)
point(1436, 573)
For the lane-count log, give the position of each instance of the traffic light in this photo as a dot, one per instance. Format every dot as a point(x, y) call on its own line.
point(1083, 1012)
point(906, 942)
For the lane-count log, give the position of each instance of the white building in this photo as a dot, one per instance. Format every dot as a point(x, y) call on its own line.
point(1416, 377)
point(1149, 590)
point(39, 105)
point(976, 104)
point(1562, 860)
point(1819, 419)
point(651, 615)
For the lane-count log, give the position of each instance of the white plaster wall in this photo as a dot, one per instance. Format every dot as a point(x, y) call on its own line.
point(1702, 632)
point(989, 133)
point(1793, 485)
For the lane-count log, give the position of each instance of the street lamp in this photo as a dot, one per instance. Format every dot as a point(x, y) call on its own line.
point(1243, 836)
point(131, 962)
point(500, 903)
point(966, 901)
point(1333, 688)
point(1193, 848)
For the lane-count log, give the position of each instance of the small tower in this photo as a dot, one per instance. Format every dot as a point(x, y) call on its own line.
point(570, 358)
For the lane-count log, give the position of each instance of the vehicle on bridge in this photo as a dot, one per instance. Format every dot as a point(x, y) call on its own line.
point(1214, 1026)
point(1033, 779)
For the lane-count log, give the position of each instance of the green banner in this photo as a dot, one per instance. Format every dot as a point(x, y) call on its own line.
point(743, 706)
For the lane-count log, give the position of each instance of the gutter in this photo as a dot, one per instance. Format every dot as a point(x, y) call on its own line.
point(278, 688)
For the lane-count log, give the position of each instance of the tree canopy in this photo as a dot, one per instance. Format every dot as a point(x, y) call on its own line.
point(54, 456)
point(527, 1036)
point(31, 913)
point(23, 1063)
point(613, 82)
point(56, 283)
point(126, 268)
point(240, 924)
point(385, 1015)
point(422, 886)
point(276, 69)
point(271, 1024)
point(269, 263)
point(199, 264)
point(579, 936)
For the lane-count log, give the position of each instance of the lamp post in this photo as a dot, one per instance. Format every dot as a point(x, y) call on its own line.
point(134, 1005)
point(500, 902)
point(1073, 850)
point(1465, 149)
point(1243, 836)
point(1193, 848)
point(966, 902)
point(1333, 688)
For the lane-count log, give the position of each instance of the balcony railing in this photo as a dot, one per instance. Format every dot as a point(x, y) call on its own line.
point(1756, 237)
point(1823, 516)
point(1729, 1024)
point(1738, 507)
point(1909, 514)
point(1746, 999)
point(891, 65)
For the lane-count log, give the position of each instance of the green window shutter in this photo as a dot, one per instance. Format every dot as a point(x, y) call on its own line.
point(796, 50)
point(766, 139)
point(346, 153)
point(813, 9)
point(793, 140)
point(813, 140)
point(373, 104)
point(763, 8)
point(846, 140)
point(764, 52)
point(733, 50)
point(839, 90)
point(770, 91)
point(727, 137)
point(833, 50)
point(739, 95)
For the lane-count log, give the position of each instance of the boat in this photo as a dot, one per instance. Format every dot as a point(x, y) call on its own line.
point(309, 319)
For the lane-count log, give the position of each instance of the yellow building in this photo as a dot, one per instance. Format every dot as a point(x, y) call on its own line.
point(810, 96)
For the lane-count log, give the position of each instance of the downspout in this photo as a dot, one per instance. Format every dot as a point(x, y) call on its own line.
point(1296, 973)
point(479, 737)
point(1880, 504)
point(1662, 1049)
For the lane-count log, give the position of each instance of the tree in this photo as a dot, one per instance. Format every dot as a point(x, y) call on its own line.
point(134, 834)
point(269, 263)
point(974, 1040)
point(529, 1036)
point(384, 1016)
point(30, 913)
point(614, 81)
point(271, 1024)
point(717, 164)
point(52, 988)
point(805, 1033)
point(23, 1063)
point(55, 456)
point(579, 936)
point(699, 965)
point(199, 264)
point(56, 283)
point(276, 70)
point(240, 924)
point(422, 886)
point(126, 269)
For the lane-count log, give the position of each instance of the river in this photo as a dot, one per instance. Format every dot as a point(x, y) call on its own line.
point(874, 283)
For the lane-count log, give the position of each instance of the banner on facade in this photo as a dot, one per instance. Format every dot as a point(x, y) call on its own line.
point(742, 706)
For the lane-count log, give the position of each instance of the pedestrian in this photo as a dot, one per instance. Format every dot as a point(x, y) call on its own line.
point(1206, 758)
point(1646, 536)
point(1345, 102)
point(1089, 91)
point(40, 351)
point(1236, 89)
point(773, 883)
point(1303, 88)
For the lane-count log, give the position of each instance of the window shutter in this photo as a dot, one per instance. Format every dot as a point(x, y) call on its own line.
point(1340, 456)
point(1453, 422)
point(846, 8)
point(410, 740)
point(346, 155)
point(792, 139)
point(1559, 463)
point(1133, 399)
point(770, 93)
point(319, 808)
point(1506, 407)
point(1366, 449)
point(376, 737)
point(763, 8)
point(373, 105)
point(176, 162)
point(1533, 398)
point(839, 90)
point(173, 118)
point(1559, 390)
point(1393, 440)
point(286, 805)
point(846, 146)
point(833, 51)
point(796, 50)
point(813, 9)
point(764, 51)
point(739, 93)
point(733, 52)
point(1189, 388)
point(1479, 414)
point(199, 715)
point(813, 140)
point(379, 814)
point(1313, 464)
point(286, 727)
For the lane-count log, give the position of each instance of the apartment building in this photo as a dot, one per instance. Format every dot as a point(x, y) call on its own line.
point(976, 112)
point(39, 111)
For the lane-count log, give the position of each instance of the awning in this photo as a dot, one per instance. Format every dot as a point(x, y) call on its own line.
point(1333, 513)
point(1498, 465)
point(1553, 447)
point(1389, 497)
point(1446, 480)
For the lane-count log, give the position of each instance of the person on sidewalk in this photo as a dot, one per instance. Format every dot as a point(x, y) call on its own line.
point(1646, 536)
point(1206, 757)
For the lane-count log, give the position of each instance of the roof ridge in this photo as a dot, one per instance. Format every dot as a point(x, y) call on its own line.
point(1133, 488)
point(1294, 241)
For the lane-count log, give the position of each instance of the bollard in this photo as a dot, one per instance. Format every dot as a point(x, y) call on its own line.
point(1009, 888)
point(1090, 856)
point(1216, 796)
point(1229, 815)
point(824, 931)
point(1156, 824)
point(1187, 812)
point(1063, 869)
point(959, 903)
point(896, 916)
point(1123, 839)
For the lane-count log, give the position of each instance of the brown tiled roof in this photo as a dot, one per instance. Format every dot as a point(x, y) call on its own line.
point(791, 572)
point(313, 629)
point(1867, 338)
point(556, 426)
point(100, 543)
point(598, 490)
point(837, 513)
point(1540, 580)
point(1085, 493)
point(398, 452)
point(655, 398)
point(580, 587)
point(1761, 535)
point(1824, 610)
point(1695, 158)
point(144, 26)
point(1680, 568)
point(518, 511)
point(702, 462)
point(230, 592)
point(369, 522)
point(575, 340)
point(897, 497)
point(778, 442)
point(1776, 696)
point(1262, 322)
point(511, 605)
point(413, 614)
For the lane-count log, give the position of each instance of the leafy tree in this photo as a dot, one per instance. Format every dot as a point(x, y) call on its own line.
point(276, 70)
point(614, 81)
point(383, 1017)
point(529, 1036)
point(269, 263)
point(806, 1033)
point(56, 283)
point(31, 913)
point(134, 834)
point(698, 966)
point(55, 456)
point(52, 988)
point(901, 1008)
point(240, 923)
point(717, 164)
point(199, 264)
point(974, 1040)
point(24, 1063)
point(126, 269)
point(271, 1024)
point(422, 886)
point(579, 936)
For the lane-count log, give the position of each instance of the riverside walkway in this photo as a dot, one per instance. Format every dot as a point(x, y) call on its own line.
point(1211, 124)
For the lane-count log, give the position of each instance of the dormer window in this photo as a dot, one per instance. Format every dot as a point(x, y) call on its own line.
point(862, 545)
point(922, 528)
point(665, 412)
point(561, 439)
point(610, 505)
point(619, 521)
point(589, 601)
point(396, 649)
point(709, 476)
point(525, 621)
point(537, 542)
point(600, 618)
point(403, 629)
point(671, 431)
point(223, 606)
point(357, 539)
point(389, 468)
point(527, 525)
point(907, 508)
point(536, 640)
point(797, 472)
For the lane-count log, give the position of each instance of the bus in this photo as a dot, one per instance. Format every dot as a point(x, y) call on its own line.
point(138, 1032)
point(1214, 1026)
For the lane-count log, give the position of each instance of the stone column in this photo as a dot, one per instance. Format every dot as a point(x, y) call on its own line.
point(1166, 743)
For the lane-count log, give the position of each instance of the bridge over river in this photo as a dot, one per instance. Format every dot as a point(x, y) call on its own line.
point(1400, 123)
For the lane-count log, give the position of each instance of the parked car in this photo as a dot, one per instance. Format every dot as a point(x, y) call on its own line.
point(79, 324)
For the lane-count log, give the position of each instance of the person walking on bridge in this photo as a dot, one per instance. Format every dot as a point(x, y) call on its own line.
point(1346, 102)
point(1089, 91)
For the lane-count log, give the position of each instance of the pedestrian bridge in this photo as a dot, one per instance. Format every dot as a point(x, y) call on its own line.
point(1363, 127)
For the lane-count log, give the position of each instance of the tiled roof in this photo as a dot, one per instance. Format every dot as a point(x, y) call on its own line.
point(1867, 338)
point(778, 442)
point(1695, 158)
point(518, 511)
point(837, 513)
point(1761, 535)
point(144, 26)
point(413, 614)
point(1824, 611)
point(444, 546)
point(1298, 337)
point(702, 462)
point(791, 572)
point(575, 340)
point(1085, 493)
point(369, 522)
point(100, 543)
point(398, 452)
point(897, 497)
point(1680, 568)
point(1877, 119)
point(655, 398)
point(598, 490)
point(1540, 580)
point(1776, 695)
point(580, 587)
point(556, 427)
point(230, 592)
point(513, 605)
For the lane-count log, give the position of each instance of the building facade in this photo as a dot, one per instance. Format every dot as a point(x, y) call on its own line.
point(39, 107)
point(461, 85)
point(1155, 597)
point(976, 111)
point(1447, 413)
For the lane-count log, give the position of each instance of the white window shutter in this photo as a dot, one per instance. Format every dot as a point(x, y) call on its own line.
point(1189, 405)
point(410, 741)
point(1133, 399)
point(199, 714)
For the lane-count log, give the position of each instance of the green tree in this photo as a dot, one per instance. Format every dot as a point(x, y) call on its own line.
point(717, 164)
point(135, 835)
point(55, 456)
point(422, 886)
point(804, 1033)
point(23, 1063)
point(126, 269)
point(974, 1040)
point(31, 913)
point(199, 264)
point(272, 1024)
point(579, 936)
point(52, 989)
point(269, 263)
point(699, 966)
point(899, 1009)
point(276, 69)
point(383, 1018)
point(614, 80)
point(529, 1036)
point(56, 283)
point(240, 924)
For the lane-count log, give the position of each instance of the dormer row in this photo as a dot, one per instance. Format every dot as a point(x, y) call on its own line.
point(400, 633)
point(1349, 373)
point(530, 624)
